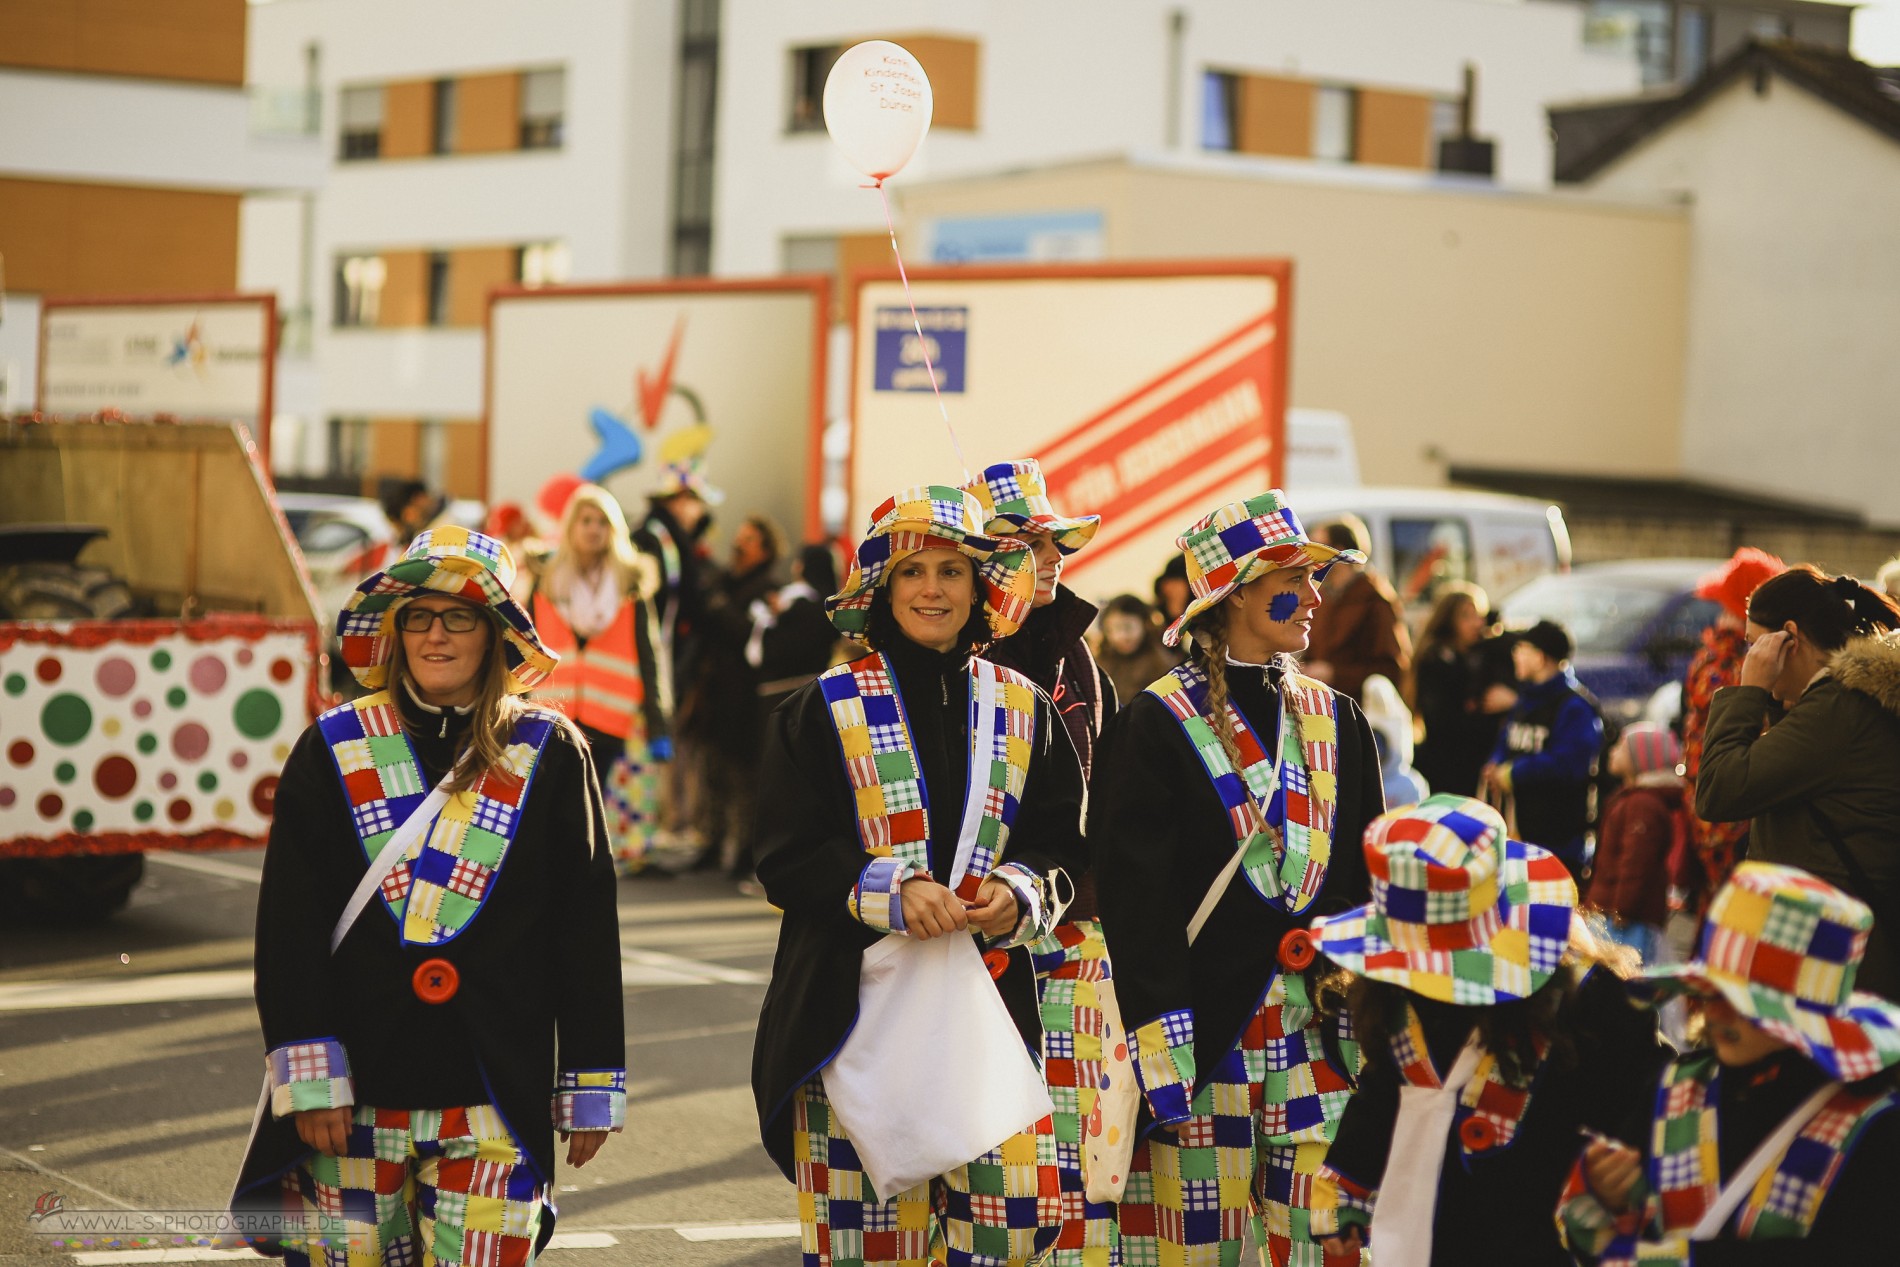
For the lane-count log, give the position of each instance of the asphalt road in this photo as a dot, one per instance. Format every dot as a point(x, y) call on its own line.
point(130, 1060)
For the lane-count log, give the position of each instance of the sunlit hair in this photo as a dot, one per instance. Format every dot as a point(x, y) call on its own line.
point(1207, 643)
point(1441, 627)
point(636, 574)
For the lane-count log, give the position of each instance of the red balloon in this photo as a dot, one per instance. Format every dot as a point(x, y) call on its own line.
point(554, 495)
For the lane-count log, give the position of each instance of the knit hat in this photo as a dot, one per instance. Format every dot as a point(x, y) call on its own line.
point(1548, 637)
point(1459, 912)
point(1783, 948)
point(1243, 540)
point(446, 560)
point(1015, 496)
point(1651, 747)
point(935, 517)
point(1734, 581)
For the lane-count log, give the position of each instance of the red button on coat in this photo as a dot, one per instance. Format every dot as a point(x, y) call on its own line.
point(997, 961)
point(1297, 951)
point(1478, 1133)
point(436, 981)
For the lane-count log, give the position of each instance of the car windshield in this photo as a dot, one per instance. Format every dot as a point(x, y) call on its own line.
point(1603, 617)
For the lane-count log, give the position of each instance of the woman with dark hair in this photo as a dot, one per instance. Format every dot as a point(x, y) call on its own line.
point(792, 640)
point(912, 798)
point(1243, 1062)
point(1130, 650)
point(1821, 786)
point(1459, 698)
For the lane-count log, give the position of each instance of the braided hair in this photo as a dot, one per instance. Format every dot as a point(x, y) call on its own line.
point(1207, 635)
point(1828, 610)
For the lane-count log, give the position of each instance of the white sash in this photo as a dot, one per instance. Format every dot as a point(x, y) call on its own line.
point(1407, 1203)
point(1765, 1154)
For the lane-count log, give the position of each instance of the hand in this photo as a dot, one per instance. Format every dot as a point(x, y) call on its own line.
point(995, 912)
point(1488, 777)
point(1767, 657)
point(1499, 699)
point(1347, 1244)
point(582, 1145)
point(772, 603)
point(930, 910)
point(1319, 670)
point(326, 1130)
point(1611, 1171)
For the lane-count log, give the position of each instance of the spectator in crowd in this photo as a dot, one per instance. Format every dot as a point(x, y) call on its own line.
point(1547, 754)
point(1391, 723)
point(1818, 786)
point(1641, 827)
point(1360, 629)
point(1172, 593)
point(791, 640)
point(728, 693)
point(1460, 698)
point(411, 507)
point(1130, 649)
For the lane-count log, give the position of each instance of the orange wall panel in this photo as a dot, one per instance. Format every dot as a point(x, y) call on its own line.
point(473, 272)
point(463, 460)
point(1394, 128)
point(395, 447)
point(61, 238)
point(487, 113)
point(1274, 116)
point(408, 118)
point(952, 65)
point(405, 289)
point(201, 41)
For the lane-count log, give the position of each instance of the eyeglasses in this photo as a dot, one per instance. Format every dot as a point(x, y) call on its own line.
point(454, 619)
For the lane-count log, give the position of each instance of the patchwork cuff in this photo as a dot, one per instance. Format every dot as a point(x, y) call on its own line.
point(590, 1100)
point(874, 899)
point(1031, 912)
point(1339, 1202)
point(309, 1075)
point(1586, 1226)
point(1163, 1056)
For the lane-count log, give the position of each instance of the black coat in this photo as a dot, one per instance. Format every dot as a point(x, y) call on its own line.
point(1050, 651)
point(540, 960)
point(810, 858)
point(1459, 734)
point(1159, 836)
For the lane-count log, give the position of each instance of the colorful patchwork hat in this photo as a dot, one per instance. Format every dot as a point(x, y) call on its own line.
point(1783, 948)
point(1014, 496)
point(935, 517)
point(1459, 912)
point(688, 476)
point(446, 560)
point(1243, 540)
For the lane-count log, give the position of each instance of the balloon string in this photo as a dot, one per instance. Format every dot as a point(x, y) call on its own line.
point(923, 344)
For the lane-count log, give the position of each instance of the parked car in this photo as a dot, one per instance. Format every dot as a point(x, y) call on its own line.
point(343, 540)
point(1635, 624)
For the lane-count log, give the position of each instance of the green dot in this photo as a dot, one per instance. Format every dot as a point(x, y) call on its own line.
point(66, 719)
point(207, 782)
point(82, 821)
point(16, 683)
point(161, 659)
point(257, 713)
point(142, 811)
point(175, 697)
point(64, 772)
point(148, 743)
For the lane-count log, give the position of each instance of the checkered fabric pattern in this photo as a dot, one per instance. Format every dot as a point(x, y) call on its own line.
point(935, 517)
point(450, 871)
point(1286, 863)
point(1784, 947)
point(590, 1100)
point(1232, 545)
point(310, 1075)
point(1459, 913)
point(452, 561)
point(1070, 962)
point(1162, 1053)
point(1003, 1209)
point(631, 800)
point(1015, 496)
point(1490, 1095)
point(688, 476)
point(417, 1187)
point(1253, 1145)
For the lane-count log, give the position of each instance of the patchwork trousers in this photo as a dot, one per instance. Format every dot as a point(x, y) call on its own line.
point(1001, 1210)
point(1069, 963)
point(416, 1188)
point(1260, 1128)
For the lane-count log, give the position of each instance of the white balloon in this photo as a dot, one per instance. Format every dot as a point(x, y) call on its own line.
point(877, 106)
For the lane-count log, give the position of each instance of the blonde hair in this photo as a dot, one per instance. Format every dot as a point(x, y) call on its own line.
point(1207, 635)
point(636, 573)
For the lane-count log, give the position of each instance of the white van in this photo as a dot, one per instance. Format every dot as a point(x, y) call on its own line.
point(1424, 538)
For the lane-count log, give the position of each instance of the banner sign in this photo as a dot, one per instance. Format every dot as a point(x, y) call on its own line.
point(900, 355)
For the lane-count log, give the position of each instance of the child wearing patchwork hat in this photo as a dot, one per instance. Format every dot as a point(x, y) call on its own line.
point(913, 799)
point(438, 973)
point(1217, 797)
point(1778, 1141)
point(1492, 1028)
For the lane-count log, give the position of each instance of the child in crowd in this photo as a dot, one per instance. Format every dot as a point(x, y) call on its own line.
point(1547, 754)
point(1494, 1024)
point(1642, 825)
point(1781, 1130)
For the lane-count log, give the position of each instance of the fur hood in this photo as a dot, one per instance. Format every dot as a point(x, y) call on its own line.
point(1871, 666)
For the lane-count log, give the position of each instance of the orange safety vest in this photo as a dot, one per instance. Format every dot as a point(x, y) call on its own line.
point(599, 686)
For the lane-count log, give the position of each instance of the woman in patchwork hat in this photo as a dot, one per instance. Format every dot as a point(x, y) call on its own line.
point(420, 954)
point(1234, 758)
point(1495, 1026)
point(1777, 1141)
point(923, 796)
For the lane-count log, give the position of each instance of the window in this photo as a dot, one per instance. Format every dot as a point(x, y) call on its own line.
point(694, 135)
point(810, 67)
point(543, 109)
point(1637, 27)
point(1428, 554)
point(1692, 41)
point(438, 288)
point(360, 123)
point(1335, 120)
point(443, 140)
point(542, 264)
point(1220, 102)
point(359, 290)
point(349, 446)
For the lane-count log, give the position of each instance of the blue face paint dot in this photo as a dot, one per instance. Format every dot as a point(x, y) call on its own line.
point(1283, 606)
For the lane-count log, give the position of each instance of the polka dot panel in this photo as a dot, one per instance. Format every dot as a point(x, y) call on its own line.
point(176, 736)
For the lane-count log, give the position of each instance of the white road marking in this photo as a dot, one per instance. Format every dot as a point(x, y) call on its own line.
point(206, 866)
point(683, 971)
point(583, 1240)
point(741, 1232)
point(704, 1031)
point(183, 1254)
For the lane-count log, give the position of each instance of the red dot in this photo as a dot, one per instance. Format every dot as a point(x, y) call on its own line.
point(168, 780)
point(264, 794)
point(51, 805)
point(282, 670)
point(244, 655)
point(20, 751)
point(115, 776)
point(179, 810)
point(239, 760)
point(6, 798)
point(49, 669)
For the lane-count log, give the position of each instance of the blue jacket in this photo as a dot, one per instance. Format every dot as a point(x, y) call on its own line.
point(1551, 742)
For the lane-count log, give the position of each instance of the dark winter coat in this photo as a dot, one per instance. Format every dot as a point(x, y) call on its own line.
point(1459, 734)
point(728, 687)
point(799, 645)
point(1630, 878)
point(1551, 741)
